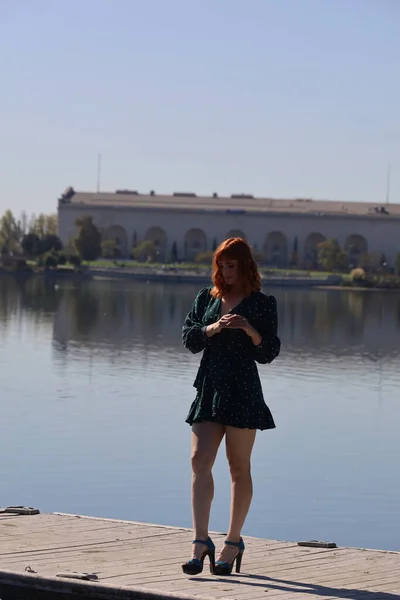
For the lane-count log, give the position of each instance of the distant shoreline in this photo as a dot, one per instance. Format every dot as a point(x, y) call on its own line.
point(158, 275)
point(183, 275)
point(191, 277)
point(350, 288)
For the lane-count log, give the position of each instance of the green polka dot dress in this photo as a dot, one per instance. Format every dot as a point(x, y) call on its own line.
point(228, 385)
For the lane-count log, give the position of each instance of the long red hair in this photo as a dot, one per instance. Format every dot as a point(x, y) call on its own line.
point(235, 249)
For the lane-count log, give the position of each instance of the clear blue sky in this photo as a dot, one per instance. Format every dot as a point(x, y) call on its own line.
point(272, 97)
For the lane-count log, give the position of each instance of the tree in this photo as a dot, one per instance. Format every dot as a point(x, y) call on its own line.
point(397, 264)
point(88, 240)
point(205, 258)
point(295, 252)
point(50, 260)
point(23, 222)
point(31, 245)
point(109, 249)
point(10, 233)
point(331, 257)
point(258, 256)
point(43, 224)
point(145, 252)
point(370, 262)
point(49, 242)
point(51, 224)
point(174, 252)
point(74, 260)
point(214, 244)
point(62, 258)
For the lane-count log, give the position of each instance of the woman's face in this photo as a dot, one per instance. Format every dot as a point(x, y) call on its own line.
point(229, 270)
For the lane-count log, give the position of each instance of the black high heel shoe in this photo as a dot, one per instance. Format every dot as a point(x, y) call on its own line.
point(194, 566)
point(225, 568)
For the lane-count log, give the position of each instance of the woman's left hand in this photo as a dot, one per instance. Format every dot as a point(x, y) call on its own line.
point(238, 322)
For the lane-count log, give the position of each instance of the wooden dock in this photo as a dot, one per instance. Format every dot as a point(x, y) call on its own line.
point(142, 561)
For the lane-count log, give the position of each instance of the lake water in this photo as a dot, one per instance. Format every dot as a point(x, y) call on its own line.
point(95, 388)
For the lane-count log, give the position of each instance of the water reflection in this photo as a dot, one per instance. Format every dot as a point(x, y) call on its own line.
point(310, 321)
point(105, 376)
point(115, 313)
point(33, 297)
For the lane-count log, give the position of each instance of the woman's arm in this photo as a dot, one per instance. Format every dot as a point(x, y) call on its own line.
point(194, 334)
point(265, 342)
point(269, 344)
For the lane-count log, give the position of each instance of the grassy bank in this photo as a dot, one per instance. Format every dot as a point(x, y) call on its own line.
point(195, 268)
point(357, 279)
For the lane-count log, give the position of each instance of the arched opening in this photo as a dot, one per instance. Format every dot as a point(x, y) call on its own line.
point(118, 235)
point(195, 242)
point(158, 236)
point(275, 249)
point(355, 246)
point(311, 249)
point(234, 233)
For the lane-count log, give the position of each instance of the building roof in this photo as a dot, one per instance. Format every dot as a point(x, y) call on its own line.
point(236, 204)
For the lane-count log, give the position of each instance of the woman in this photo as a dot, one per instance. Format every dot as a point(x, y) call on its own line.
point(236, 326)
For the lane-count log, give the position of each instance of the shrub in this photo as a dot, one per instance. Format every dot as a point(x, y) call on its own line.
point(346, 283)
point(74, 260)
point(145, 252)
point(50, 260)
point(368, 282)
point(204, 258)
point(389, 283)
point(357, 275)
point(62, 258)
point(109, 249)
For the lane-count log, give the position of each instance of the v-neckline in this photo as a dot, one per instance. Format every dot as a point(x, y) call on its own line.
point(231, 309)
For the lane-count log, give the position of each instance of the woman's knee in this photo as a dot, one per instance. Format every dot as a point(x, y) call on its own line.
point(239, 467)
point(202, 462)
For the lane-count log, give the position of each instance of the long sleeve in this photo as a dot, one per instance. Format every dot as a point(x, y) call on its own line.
point(193, 335)
point(267, 326)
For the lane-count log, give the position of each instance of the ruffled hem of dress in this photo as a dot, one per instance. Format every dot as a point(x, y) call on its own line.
point(260, 428)
point(260, 425)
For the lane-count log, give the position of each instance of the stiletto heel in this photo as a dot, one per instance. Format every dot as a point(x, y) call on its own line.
point(239, 561)
point(194, 566)
point(225, 568)
point(211, 556)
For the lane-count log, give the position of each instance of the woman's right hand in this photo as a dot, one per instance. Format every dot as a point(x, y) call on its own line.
point(222, 323)
point(218, 326)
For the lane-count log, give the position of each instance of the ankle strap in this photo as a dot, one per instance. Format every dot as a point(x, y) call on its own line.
point(208, 542)
point(236, 544)
point(239, 544)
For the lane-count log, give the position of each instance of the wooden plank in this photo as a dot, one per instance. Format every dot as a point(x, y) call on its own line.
point(130, 557)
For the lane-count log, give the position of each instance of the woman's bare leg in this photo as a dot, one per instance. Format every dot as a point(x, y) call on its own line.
point(239, 445)
point(206, 439)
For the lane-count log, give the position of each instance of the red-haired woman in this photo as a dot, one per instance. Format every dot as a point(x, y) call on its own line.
point(236, 326)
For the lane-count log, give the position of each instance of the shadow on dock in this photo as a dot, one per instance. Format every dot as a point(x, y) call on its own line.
point(269, 584)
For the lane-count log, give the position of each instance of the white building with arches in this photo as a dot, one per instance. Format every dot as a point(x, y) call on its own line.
point(192, 224)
